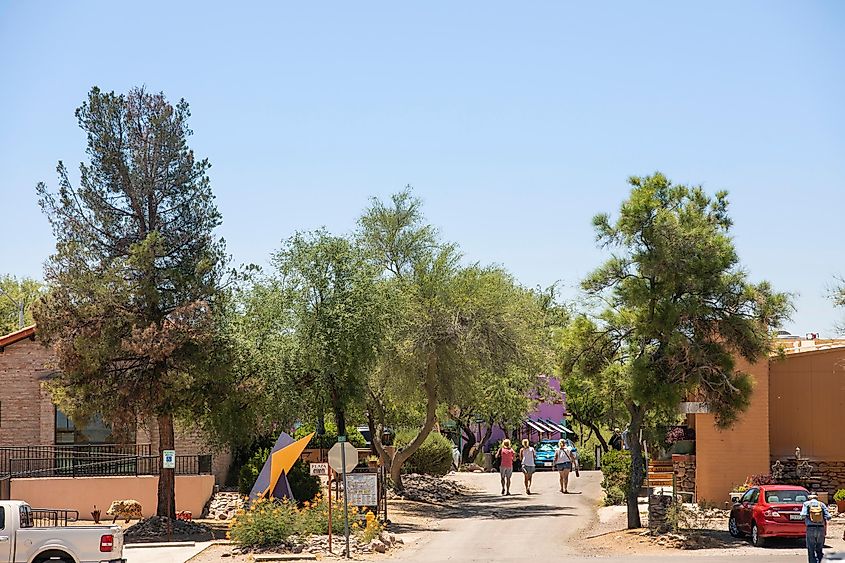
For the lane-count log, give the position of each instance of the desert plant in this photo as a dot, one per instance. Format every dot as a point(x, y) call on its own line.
point(372, 529)
point(434, 456)
point(614, 495)
point(266, 523)
point(313, 517)
point(616, 469)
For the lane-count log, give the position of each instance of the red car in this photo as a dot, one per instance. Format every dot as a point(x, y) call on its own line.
point(769, 511)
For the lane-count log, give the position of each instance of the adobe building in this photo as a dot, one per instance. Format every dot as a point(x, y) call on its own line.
point(45, 456)
point(796, 406)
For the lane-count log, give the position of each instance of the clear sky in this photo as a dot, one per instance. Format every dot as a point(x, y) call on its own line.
point(515, 122)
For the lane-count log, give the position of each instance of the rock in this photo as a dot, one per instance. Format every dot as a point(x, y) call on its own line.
point(223, 505)
point(226, 554)
point(297, 548)
point(159, 527)
point(378, 546)
point(384, 538)
point(427, 488)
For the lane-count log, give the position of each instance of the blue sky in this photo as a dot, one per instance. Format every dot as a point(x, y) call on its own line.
point(515, 122)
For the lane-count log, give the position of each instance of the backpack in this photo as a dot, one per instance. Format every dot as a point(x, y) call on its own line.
point(816, 513)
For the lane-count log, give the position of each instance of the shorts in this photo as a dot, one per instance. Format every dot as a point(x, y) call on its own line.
point(565, 466)
point(528, 469)
point(506, 472)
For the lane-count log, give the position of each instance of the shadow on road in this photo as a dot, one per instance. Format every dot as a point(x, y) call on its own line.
point(481, 505)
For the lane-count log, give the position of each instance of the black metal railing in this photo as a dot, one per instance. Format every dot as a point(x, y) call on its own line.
point(53, 517)
point(85, 461)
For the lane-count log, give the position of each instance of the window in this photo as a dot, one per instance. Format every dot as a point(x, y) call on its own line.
point(2, 518)
point(788, 496)
point(92, 431)
point(747, 496)
point(754, 496)
point(26, 517)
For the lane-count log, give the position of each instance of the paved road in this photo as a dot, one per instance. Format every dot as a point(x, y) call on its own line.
point(162, 554)
point(491, 528)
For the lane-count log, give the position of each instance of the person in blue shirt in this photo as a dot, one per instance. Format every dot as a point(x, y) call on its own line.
point(815, 530)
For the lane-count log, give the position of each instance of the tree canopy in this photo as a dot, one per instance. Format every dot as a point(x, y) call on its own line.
point(674, 309)
point(136, 279)
point(16, 297)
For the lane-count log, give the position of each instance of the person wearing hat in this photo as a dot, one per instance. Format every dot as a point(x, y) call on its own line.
point(616, 439)
point(815, 515)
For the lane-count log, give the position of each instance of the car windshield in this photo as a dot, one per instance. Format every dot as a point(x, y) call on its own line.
point(788, 496)
point(546, 447)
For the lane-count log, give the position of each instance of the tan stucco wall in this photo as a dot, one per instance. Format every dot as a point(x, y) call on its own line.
point(726, 457)
point(806, 402)
point(82, 493)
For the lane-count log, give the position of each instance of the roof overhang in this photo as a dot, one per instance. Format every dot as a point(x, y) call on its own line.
point(17, 336)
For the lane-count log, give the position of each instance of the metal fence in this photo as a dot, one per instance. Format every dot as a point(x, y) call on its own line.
point(93, 461)
point(53, 517)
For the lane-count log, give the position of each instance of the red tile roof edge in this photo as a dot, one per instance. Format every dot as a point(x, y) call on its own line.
point(17, 336)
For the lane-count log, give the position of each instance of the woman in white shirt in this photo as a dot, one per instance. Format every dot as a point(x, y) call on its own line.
point(528, 456)
point(565, 461)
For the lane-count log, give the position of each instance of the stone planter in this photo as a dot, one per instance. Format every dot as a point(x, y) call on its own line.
point(840, 506)
point(684, 447)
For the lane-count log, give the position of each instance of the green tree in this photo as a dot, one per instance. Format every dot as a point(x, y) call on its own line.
point(678, 309)
point(335, 315)
point(16, 300)
point(135, 281)
point(450, 323)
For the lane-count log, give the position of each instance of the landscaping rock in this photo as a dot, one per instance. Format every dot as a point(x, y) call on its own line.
point(426, 488)
point(159, 527)
point(223, 505)
point(378, 546)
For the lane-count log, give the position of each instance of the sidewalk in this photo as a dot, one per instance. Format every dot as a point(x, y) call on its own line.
point(141, 553)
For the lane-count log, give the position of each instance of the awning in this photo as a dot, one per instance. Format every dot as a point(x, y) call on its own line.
point(542, 425)
point(534, 425)
point(558, 427)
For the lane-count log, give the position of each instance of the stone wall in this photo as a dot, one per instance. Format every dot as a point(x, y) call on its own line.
point(684, 468)
point(26, 411)
point(824, 476)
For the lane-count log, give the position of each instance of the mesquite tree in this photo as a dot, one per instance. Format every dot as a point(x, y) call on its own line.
point(677, 310)
point(137, 271)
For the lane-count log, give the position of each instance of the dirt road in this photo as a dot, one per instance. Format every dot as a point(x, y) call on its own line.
point(492, 527)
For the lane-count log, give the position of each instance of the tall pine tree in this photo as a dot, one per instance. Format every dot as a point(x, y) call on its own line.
point(136, 276)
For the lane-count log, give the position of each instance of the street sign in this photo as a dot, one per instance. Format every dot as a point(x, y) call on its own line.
point(321, 469)
point(363, 489)
point(168, 459)
point(336, 457)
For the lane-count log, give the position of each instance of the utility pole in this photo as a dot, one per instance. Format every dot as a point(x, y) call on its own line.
point(19, 304)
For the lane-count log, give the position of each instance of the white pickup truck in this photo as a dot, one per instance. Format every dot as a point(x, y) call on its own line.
point(22, 542)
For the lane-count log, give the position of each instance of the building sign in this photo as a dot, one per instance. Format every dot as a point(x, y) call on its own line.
point(694, 407)
point(362, 489)
point(321, 469)
point(168, 459)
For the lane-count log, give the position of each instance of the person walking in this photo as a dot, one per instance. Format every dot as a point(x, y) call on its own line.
point(815, 515)
point(565, 461)
point(506, 456)
point(528, 457)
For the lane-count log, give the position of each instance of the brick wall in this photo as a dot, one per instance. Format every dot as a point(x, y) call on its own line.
point(26, 412)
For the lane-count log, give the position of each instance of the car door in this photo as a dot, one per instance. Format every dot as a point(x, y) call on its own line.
point(6, 537)
point(746, 509)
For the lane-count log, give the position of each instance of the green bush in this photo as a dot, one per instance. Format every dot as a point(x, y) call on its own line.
point(434, 456)
point(329, 439)
point(616, 470)
point(614, 495)
point(303, 485)
point(586, 459)
point(266, 523)
point(839, 495)
point(250, 470)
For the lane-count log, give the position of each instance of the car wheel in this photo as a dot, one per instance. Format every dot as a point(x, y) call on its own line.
point(756, 539)
point(733, 528)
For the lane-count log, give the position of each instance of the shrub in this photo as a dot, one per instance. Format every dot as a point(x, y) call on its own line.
point(250, 470)
point(616, 472)
point(839, 495)
point(329, 439)
point(372, 529)
point(761, 479)
point(586, 459)
point(614, 495)
point(303, 485)
point(314, 516)
point(266, 523)
point(434, 456)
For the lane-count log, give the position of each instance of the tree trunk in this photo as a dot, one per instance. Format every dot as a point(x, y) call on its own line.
point(167, 477)
point(430, 387)
point(375, 418)
point(592, 426)
point(637, 464)
point(469, 440)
